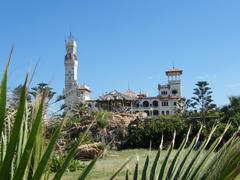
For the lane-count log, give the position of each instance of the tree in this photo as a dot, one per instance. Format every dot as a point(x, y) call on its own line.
point(232, 110)
point(43, 88)
point(15, 97)
point(184, 105)
point(102, 117)
point(202, 101)
point(79, 110)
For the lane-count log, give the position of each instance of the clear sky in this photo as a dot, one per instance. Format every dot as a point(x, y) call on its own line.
point(123, 42)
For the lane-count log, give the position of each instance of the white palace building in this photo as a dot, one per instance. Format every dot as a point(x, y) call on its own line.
point(165, 102)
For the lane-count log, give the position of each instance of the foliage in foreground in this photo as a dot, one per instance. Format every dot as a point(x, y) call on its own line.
point(23, 153)
point(195, 162)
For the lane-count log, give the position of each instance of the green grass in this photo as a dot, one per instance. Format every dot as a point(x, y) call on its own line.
point(107, 166)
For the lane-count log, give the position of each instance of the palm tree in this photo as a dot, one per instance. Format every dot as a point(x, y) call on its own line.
point(43, 88)
point(79, 110)
point(102, 117)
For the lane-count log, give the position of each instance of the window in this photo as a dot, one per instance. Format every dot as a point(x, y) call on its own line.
point(165, 103)
point(163, 112)
point(174, 92)
point(155, 103)
point(145, 104)
point(167, 112)
point(164, 93)
point(175, 103)
point(155, 113)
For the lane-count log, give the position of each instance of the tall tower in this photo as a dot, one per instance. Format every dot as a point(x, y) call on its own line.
point(71, 63)
point(174, 82)
point(73, 92)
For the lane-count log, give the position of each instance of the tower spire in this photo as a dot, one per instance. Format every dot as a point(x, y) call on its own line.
point(173, 64)
point(71, 36)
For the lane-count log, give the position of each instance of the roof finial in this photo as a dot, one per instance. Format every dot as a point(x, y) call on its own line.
point(71, 36)
point(173, 63)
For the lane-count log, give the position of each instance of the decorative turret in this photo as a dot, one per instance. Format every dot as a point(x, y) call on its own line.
point(174, 74)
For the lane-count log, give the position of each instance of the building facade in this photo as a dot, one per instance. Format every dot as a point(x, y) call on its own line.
point(167, 100)
point(164, 103)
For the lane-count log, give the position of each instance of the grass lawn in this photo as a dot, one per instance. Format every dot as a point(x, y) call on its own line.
point(107, 166)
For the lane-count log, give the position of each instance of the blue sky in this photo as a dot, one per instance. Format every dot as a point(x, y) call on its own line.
point(123, 42)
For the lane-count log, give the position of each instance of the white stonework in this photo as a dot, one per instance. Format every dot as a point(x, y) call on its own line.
point(165, 103)
point(73, 92)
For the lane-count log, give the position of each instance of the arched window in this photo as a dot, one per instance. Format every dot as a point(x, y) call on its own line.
point(155, 103)
point(156, 113)
point(145, 104)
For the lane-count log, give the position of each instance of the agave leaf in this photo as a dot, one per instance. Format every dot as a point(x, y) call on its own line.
point(187, 154)
point(127, 175)
point(221, 165)
point(3, 94)
point(20, 145)
point(221, 153)
point(120, 169)
point(43, 163)
point(153, 169)
point(177, 156)
point(3, 147)
point(87, 170)
point(157, 157)
point(202, 163)
point(165, 162)
point(145, 168)
point(135, 175)
point(8, 160)
point(199, 152)
point(232, 170)
point(70, 155)
point(30, 144)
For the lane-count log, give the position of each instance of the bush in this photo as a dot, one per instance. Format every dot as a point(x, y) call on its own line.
point(142, 133)
point(74, 165)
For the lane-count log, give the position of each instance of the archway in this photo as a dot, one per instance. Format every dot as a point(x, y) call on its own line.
point(155, 103)
point(145, 104)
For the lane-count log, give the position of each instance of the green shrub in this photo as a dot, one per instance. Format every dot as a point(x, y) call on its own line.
point(74, 165)
point(144, 132)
